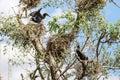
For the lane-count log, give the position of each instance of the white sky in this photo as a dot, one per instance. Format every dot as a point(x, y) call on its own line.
point(6, 8)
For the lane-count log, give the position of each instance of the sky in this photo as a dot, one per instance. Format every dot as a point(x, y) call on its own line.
point(111, 12)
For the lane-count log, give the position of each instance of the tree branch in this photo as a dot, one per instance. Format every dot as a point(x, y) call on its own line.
point(85, 43)
point(22, 76)
point(52, 64)
point(19, 16)
point(115, 3)
point(67, 67)
point(98, 44)
point(111, 67)
point(37, 45)
point(32, 75)
point(38, 68)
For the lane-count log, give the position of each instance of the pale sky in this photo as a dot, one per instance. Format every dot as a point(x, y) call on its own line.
point(6, 8)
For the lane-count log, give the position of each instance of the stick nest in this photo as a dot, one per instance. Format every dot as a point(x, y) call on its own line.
point(37, 30)
point(87, 5)
point(30, 3)
point(56, 45)
point(27, 33)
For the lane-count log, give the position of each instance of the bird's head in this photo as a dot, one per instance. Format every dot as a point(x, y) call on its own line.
point(45, 14)
point(78, 46)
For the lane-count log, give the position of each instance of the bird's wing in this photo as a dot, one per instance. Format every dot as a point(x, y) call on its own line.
point(36, 13)
point(33, 13)
point(81, 55)
point(39, 10)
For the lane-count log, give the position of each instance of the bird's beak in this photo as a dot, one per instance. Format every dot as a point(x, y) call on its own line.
point(48, 15)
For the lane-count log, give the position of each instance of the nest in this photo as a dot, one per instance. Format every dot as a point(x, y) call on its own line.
point(56, 45)
point(27, 33)
point(85, 5)
point(30, 3)
point(92, 68)
point(37, 30)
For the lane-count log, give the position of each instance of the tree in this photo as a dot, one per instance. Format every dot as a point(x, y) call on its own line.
point(89, 29)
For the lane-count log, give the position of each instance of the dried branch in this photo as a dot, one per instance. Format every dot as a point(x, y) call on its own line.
point(37, 45)
point(14, 11)
point(67, 67)
point(22, 76)
point(109, 41)
point(106, 41)
point(52, 64)
point(38, 68)
point(58, 69)
point(101, 48)
point(32, 75)
point(48, 76)
point(98, 44)
point(22, 11)
point(84, 65)
point(111, 67)
point(19, 16)
point(85, 43)
point(115, 3)
point(40, 72)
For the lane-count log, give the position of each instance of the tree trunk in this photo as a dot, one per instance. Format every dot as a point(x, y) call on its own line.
point(52, 64)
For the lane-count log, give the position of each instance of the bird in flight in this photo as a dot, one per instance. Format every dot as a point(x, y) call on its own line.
point(37, 17)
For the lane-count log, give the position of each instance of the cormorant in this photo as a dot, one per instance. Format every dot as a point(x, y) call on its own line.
point(81, 55)
point(37, 16)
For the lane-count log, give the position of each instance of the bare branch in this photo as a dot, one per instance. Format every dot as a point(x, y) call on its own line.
point(110, 67)
point(67, 67)
point(39, 69)
point(115, 4)
point(14, 11)
point(32, 75)
point(22, 76)
point(37, 45)
point(19, 16)
point(85, 43)
point(52, 64)
point(98, 44)
point(101, 48)
point(48, 76)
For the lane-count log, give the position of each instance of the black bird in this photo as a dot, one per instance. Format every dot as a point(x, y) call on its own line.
point(81, 55)
point(37, 16)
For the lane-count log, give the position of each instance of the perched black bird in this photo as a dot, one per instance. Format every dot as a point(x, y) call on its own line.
point(81, 55)
point(37, 16)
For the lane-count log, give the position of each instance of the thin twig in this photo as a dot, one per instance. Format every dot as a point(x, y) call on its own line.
point(48, 76)
point(32, 75)
point(67, 67)
point(115, 4)
point(85, 43)
point(110, 67)
point(14, 11)
point(41, 75)
point(98, 44)
point(22, 76)
point(52, 64)
point(38, 68)
point(100, 48)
